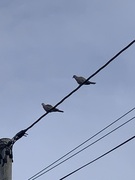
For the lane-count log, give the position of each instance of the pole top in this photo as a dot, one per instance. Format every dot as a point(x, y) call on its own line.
point(5, 150)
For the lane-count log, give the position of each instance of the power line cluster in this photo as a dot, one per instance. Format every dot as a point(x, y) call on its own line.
point(50, 167)
point(116, 147)
point(61, 160)
point(23, 132)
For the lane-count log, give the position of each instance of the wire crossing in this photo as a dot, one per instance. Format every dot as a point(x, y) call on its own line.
point(98, 158)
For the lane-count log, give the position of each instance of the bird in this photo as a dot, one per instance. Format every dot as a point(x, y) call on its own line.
point(80, 80)
point(48, 107)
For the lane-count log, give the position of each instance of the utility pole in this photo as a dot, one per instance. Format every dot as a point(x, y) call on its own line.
point(6, 159)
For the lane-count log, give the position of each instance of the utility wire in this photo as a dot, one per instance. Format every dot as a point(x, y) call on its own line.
point(22, 133)
point(116, 147)
point(114, 57)
point(82, 149)
point(41, 172)
point(118, 119)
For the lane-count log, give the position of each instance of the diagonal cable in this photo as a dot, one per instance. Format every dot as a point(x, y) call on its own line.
point(101, 68)
point(23, 132)
point(42, 173)
point(113, 149)
point(118, 119)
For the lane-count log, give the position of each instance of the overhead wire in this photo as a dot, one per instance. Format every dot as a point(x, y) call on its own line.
point(22, 133)
point(114, 57)
point(85, 141)
point(35, 177)
point(40, 173)
point(99, 157)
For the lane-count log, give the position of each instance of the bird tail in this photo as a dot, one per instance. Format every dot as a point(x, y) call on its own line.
point(92, 82)
point(60, 111)
point(57, 110)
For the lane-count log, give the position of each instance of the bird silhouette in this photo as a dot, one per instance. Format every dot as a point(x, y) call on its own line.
point(80, 80)
point(48, 107)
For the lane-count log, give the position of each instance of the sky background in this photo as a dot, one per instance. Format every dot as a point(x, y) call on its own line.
point(43, 43)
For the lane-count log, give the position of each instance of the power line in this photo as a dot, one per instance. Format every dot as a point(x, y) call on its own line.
point(98, 158)
point(84, 142)
point(82, 149)
point(22, 133)
point(114, 57)
point(40, 172)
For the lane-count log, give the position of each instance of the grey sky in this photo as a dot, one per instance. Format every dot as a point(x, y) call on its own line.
point(43, 44)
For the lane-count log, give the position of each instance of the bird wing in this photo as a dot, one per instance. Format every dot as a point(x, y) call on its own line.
point(48, 107)
point(81, 79)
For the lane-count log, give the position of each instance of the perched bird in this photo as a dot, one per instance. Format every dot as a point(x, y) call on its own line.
point(80, 80)
point(48, 107)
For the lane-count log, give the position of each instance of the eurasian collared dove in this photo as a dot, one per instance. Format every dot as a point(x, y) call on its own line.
point(47, 108)
point(80, 80)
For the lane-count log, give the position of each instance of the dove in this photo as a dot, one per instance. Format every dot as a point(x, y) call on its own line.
point(47, 108)
point(80, 80)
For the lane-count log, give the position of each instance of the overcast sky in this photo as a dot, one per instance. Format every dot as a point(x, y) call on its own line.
point(43, 43)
